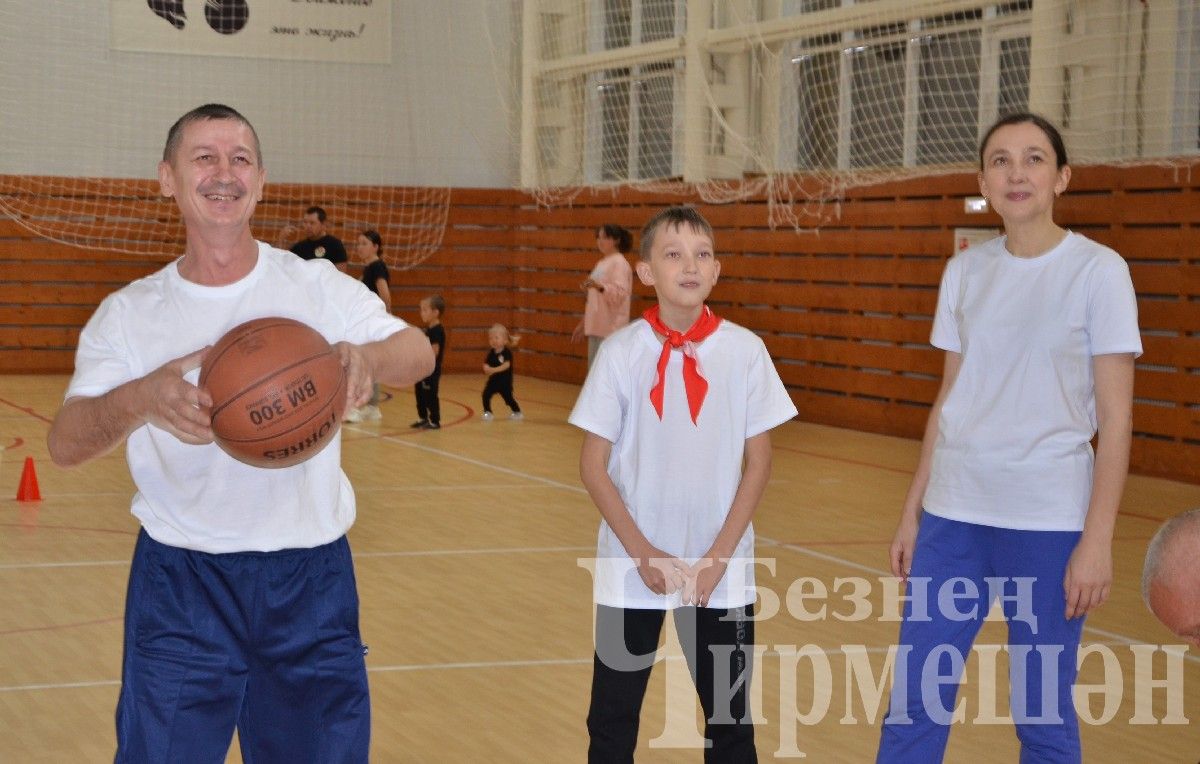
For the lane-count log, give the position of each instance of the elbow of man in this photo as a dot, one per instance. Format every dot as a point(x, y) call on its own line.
point(60, 450)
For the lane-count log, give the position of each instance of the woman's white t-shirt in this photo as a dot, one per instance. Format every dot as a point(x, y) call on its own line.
point(1014, 435)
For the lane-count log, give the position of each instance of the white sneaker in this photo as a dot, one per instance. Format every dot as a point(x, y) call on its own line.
point(353, 416)
point(486, 416)
point(516, 415)
point(371, 413)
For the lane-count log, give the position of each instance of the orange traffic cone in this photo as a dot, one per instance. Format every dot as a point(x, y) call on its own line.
point(28, 490)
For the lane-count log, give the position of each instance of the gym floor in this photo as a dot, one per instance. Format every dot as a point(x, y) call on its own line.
point(471, 546)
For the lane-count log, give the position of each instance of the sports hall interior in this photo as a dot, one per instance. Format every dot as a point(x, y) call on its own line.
point(471, 542)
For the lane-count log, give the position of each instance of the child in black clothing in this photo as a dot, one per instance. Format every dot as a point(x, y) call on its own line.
point(428, 409)
point(499, 371)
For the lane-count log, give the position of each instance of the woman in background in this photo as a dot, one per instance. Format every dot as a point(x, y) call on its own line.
point(368, 250)
point(608, 289)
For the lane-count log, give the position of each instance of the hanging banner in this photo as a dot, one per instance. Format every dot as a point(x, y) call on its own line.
point(357, 31)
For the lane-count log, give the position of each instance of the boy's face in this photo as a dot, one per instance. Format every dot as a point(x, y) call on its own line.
point(682, 268)
point(496, 340)
point(428, 314)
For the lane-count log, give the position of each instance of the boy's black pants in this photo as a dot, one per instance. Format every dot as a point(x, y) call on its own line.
point(428, 407)
point(626, 642)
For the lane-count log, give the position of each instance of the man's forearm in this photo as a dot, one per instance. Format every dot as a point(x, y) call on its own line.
point(86, 428)
point(402, 359)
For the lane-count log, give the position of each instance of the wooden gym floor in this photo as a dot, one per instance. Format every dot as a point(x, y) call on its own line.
point(478, 612)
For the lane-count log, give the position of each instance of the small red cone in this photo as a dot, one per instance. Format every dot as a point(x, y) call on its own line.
point(28, 490)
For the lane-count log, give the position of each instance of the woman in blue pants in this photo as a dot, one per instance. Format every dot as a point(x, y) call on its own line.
point(1009, 502)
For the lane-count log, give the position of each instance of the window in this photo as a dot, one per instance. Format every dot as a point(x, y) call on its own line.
point(634, 118)
point(1187, 90)
point(903, 94)
point(877, 105)
point(817, 102)
point(1014, 75)
point(631, 112)
point(948, 110)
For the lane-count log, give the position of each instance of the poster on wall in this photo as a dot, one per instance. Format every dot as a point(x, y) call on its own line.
point(358, 31)
point(965, 238)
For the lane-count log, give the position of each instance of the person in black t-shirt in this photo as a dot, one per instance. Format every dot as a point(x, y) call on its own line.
point(369, 250)
point(429, 415)
point(499, 370)
point(317, 243)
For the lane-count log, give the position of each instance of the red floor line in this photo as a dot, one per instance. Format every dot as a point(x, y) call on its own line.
point(468, 414)
point(25, 410)
point(522, 399)
point(843, 459)
point(1140, 516)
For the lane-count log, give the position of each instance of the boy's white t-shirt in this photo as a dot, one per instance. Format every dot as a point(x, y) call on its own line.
point(197, 497)
point(1014, 435)
point(678, 479)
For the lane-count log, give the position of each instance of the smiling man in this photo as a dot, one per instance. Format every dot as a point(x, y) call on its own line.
point(1171, 579)
point(242, 609)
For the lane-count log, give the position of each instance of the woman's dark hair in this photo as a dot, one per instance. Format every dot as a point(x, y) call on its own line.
point(373, 236)
point(1043, 124)
point(622, 237)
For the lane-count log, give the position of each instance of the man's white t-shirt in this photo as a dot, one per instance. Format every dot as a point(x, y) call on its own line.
point(678, 479)
point(197, 497)
point(1014, 435)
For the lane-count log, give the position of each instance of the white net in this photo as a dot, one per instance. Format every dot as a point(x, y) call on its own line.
point(84, 122)
point(796, 100)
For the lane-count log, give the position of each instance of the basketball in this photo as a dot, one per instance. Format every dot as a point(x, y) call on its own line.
point(278, 391)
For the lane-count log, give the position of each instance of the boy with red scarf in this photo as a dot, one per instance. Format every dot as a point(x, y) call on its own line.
point(671, 409)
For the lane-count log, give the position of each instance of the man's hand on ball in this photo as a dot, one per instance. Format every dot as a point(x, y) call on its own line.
point(171, 403)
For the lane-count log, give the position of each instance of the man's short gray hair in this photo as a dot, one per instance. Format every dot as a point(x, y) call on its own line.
point(1153, 569)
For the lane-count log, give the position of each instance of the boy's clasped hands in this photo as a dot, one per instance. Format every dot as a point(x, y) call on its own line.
point(665, 574)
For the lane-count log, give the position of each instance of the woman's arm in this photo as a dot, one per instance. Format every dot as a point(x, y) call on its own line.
point(384, 290)
point(617, 282)
point(901, 551)
point(1089, 571)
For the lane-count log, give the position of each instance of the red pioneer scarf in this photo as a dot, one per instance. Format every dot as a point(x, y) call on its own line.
point(694, 385)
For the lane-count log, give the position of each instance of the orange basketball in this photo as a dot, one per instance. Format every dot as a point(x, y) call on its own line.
point(278, 391)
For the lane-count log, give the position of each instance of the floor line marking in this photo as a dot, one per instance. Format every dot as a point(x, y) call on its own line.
point(407, 667)
point(357, 555)
point(791, 547)
point(496, 550)
point(486, 465)
point(472, 487)
point(75, 564)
